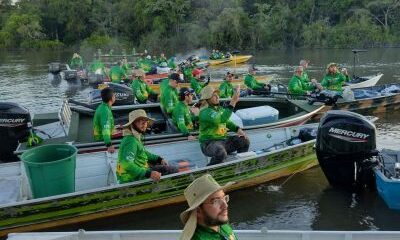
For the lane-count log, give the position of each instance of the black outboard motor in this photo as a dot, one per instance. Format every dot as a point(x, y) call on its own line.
point(123, 95)
point(346, 143)
point(15, 125)
point(70, 75)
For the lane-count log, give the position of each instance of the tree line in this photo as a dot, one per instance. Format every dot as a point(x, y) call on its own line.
point(169, 25)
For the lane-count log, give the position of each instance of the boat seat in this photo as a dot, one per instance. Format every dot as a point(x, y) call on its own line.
point(390, 158)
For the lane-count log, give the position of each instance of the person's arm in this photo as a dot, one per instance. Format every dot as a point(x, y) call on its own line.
point(179, 118)
point(231, 126)
point(325, 82)
point(127, 155)
point(138, 91)
point(153, 158)
point(105, 121)
point(223, 91)
point(170, 102)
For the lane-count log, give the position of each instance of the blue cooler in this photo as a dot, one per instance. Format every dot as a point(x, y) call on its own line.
point(258, 115)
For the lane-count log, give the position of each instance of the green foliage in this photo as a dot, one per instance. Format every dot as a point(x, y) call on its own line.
point(168, 25)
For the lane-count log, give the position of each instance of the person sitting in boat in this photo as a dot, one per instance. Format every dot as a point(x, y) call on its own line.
point(103, 120)
point(117, 73)
point(196, 83)
point(214, 55)
point(207, 215)
point(334, 80)
point(76, 62)
point(141, 90)
point(226, 88)
point(299, 86)
point(169, 94)
point(171, 63)
point(214, 125)
point(251, 82)
point(97, 67)
point(219, 54)
point(304, 63)
point(134, 161)
point(162, 59)
point(184, 116)
point(126, 66)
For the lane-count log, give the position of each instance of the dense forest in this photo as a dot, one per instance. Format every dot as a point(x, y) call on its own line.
point(169, 25)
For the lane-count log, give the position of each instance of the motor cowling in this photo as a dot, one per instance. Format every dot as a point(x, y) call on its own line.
point(346, 141)
point(123, 94)
point(15, 126)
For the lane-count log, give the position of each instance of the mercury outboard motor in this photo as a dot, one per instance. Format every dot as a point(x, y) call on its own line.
point(123, 95)
point(15, 125)
point(346, 143)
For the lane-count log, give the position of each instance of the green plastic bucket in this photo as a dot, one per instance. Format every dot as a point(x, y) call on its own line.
point(50, 169)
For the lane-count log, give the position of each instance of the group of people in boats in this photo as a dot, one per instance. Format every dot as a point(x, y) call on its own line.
point(216, 54)
point(135, 162)
point(301, 84)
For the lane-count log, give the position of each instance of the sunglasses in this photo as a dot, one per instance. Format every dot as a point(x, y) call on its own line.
point(217, 202)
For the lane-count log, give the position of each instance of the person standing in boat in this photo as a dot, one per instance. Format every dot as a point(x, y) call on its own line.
point(298, 86)
point(195, 81)
point(76, 62)
point(169, 94)
point(251, 82)
point(134, 161)
point(207, 216)
point(226, 88)
point(184, 116)
point(103, 120)
point(214, 125)
point(334, 80)
point(141, 89)
point(117, 73)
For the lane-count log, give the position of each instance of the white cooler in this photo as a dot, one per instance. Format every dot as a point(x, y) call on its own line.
point(258, 115)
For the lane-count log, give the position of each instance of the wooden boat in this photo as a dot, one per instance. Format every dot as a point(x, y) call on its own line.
point(235, 59)
point(367, 81)
point(241, 234)
point(98, 195)
point(387, 176)
point(76, 126)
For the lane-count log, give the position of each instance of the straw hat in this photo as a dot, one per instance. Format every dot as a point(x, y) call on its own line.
point(140, 113)
point(207, 92)
point(331, 64)
point(196, 193)
point(139, 73)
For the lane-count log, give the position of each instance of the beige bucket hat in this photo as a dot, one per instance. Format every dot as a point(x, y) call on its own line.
point(139, 73)
point(331, 64)
point(196, 193)
point(207, 92)
point(139, 113)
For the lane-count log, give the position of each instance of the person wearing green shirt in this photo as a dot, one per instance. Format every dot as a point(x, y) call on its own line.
point(183, 116)
point(171, 63)
point(126, 66)
point(97, 67)
point(117, 73)
point(76, 62)
point(162, 59)
point(299, 86)
point(169, 94)
point(195, 81)
point(334, 80)
point(251, 82)
point(304, 63)
point(141, 90)
point(214, 125)
point(134, 161)
point(103, 120)
point(207, 216)
point(226, 88)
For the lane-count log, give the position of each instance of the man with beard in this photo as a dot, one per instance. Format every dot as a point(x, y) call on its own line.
point(134, 161)
point(214, 125)
point(207, 215)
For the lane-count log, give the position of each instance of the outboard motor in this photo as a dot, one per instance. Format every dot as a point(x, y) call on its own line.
point(70, 74)
point(15, 126)
point(346, 143)
point(123, 94)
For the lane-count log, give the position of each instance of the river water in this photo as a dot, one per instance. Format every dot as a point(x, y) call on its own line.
point(303, 201)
